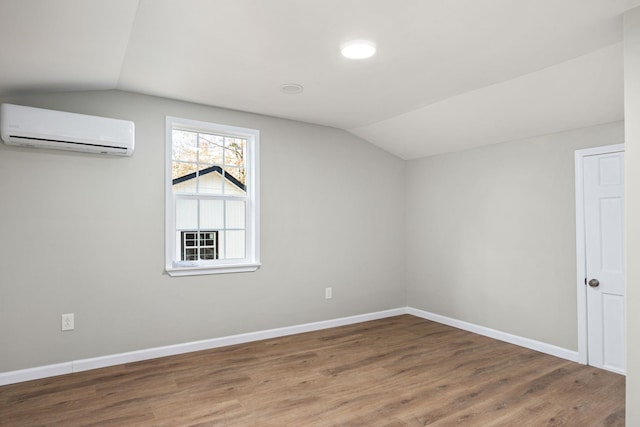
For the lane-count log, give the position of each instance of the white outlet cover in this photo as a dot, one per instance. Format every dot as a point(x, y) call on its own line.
point(67, 323)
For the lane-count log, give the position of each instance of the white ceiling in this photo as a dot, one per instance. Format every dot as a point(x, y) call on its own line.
point(448, 75)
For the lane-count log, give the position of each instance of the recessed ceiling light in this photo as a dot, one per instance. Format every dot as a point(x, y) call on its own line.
point(358, 49)
point(291, 88)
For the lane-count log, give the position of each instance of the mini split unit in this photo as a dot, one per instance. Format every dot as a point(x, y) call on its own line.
point(36, 127)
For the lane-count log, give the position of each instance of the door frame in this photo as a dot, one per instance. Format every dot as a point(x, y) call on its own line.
point(581, 257)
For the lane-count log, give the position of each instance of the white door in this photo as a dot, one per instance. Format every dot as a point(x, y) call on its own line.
point(604, 244)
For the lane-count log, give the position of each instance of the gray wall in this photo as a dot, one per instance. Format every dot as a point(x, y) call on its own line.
point(491, 234)
point(632, 208)
point(84, 234)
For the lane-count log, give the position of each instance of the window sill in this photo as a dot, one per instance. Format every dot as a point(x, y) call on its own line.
point(219, 269)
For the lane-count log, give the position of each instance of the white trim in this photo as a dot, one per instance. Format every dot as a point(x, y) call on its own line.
point(542, 347)
point(12, 377)
point(218, 269)
point(581, 261)
point(36, 373)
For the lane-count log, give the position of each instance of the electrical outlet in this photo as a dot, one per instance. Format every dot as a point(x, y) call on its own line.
point(67, 322)
point(328, 293)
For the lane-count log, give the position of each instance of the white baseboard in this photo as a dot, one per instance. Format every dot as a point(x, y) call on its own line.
point(36, 373)
point(22, 375)
point(542, 347)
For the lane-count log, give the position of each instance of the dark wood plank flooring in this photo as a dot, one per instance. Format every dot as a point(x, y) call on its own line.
point(392, 372)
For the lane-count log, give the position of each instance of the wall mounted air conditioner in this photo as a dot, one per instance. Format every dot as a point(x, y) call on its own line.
point(36, 127)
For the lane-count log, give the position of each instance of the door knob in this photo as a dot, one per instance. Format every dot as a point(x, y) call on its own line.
point(594, 283)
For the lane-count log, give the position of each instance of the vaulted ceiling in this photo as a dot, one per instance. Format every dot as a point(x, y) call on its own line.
point(448, 74)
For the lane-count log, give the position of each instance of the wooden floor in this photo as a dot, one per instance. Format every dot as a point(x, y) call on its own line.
point(391, 372)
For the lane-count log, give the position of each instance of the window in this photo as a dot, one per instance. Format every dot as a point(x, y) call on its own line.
point(198, 245)
point(211, 198)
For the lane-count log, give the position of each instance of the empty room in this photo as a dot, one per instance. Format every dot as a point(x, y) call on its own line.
point(319, 213)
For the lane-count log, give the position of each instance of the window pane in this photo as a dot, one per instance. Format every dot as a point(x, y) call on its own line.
point(234, 151)
point(186, 214)
point(210, 181)
point(207, 253)
point(235, 244)
point(183, 177)
point(235, 180)
point(211, 214)
point(185, 145)
point(182, 170)
point(211, 149)
point(235, 214)
point(221, 245)
point(190, 254)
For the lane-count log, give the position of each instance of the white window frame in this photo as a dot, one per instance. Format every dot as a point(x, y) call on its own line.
point(251, 262)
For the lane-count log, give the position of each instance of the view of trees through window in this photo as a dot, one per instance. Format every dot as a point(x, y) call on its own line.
point(195, 151)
